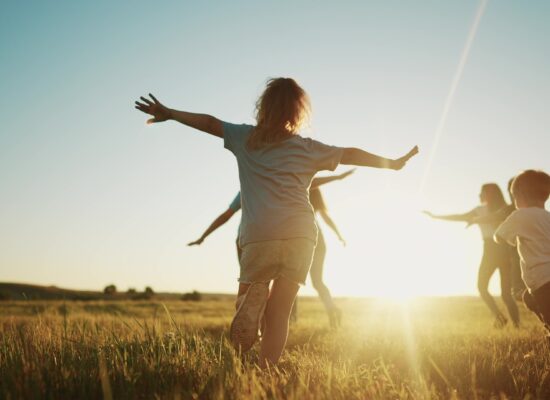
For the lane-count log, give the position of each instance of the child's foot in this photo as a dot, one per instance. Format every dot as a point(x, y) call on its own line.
point(247, 320)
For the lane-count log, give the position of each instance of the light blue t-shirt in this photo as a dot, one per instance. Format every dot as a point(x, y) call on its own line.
point(236, 203)
point(275, 182)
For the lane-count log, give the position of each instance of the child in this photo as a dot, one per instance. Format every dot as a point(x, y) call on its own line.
point(528, 228)
point(518, 286)
point(316, 270)
point(494, 257)
point(278, 231)
point(235, 206)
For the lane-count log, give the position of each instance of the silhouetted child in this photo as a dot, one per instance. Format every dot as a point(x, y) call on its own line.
point(278, 231)
point(498, 217)
point(495, 256)
point(528, 228)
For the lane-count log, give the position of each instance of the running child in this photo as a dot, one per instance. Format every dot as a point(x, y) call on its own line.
point(495, 256)
point(278, 231)
point(316, 270)
point(498, 217)
point(528, 228)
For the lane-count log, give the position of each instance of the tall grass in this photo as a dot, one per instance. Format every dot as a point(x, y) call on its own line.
point(443, 348)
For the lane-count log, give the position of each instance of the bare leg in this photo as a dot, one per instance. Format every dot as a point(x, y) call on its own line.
point(486, 270)
point(243, 288)
point(316, 274)
point(506, 291)
point(279, 305)
point(294, 312)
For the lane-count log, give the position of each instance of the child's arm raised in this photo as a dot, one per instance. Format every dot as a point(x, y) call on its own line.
point(353, 156)
point(222, 219)
point(326, 217)
point(316, 182)
point(466, 217)
point(161, 113)
point(494, 218)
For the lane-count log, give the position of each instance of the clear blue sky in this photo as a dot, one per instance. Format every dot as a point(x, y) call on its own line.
point(90, 195)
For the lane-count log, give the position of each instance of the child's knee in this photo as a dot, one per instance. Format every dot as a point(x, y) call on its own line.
point(482, 288)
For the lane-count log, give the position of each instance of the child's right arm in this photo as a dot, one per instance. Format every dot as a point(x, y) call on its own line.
point(161, 113)
point(361, 158)
point(494, 218)
point(466, 217)
point(222, 219)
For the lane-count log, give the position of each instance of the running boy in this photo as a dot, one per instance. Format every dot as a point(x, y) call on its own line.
point(278, 231)
point(528, 228)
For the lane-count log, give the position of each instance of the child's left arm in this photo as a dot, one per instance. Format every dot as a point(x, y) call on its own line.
point(161, 113)
point(316, 182)
point(354, 156)
point(326, 217)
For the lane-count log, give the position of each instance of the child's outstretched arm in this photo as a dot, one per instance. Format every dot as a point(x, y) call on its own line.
point(161, 113)
point(353, 156)
point(466, 217)
point(316, 182)
point(494, 218)
point(326, 217)
point(222, 219)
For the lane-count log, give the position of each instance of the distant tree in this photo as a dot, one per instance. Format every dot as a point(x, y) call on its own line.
point(193, 296)
point(131, 291)
point(148, 293)
point(109, 290)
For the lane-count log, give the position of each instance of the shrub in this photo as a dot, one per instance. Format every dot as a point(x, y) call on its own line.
point(193, 296)
point(109, 290)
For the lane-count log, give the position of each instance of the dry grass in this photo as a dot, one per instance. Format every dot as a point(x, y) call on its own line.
point(433, 348)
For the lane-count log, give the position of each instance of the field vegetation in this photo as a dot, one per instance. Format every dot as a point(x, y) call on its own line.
point(424, 349)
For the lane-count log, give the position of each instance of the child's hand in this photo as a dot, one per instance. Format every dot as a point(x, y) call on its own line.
point(197, 242)
point(428, 213)
point(400, 162)
point(159, 112)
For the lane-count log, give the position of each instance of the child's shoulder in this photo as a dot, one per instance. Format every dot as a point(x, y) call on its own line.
point(236, 128)
point(530, 213)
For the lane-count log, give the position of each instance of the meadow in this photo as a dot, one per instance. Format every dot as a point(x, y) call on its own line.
point(424, 349)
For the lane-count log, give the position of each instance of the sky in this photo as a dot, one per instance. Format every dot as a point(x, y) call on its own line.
point(91, 195)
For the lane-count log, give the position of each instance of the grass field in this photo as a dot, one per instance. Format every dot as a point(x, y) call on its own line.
point(431, 348)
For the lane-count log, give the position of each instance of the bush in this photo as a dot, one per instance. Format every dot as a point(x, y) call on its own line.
point(109, 290)
point(193, 296)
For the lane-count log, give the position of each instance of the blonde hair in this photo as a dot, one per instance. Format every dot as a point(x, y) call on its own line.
point(281, 110)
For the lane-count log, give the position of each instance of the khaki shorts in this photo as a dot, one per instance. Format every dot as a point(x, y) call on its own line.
point(271, 259)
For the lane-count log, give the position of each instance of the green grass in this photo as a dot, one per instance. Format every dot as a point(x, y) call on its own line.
point(434, 348)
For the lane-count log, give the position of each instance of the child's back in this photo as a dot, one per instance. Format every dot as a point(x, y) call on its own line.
point(529, 229)
point(275, 182)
